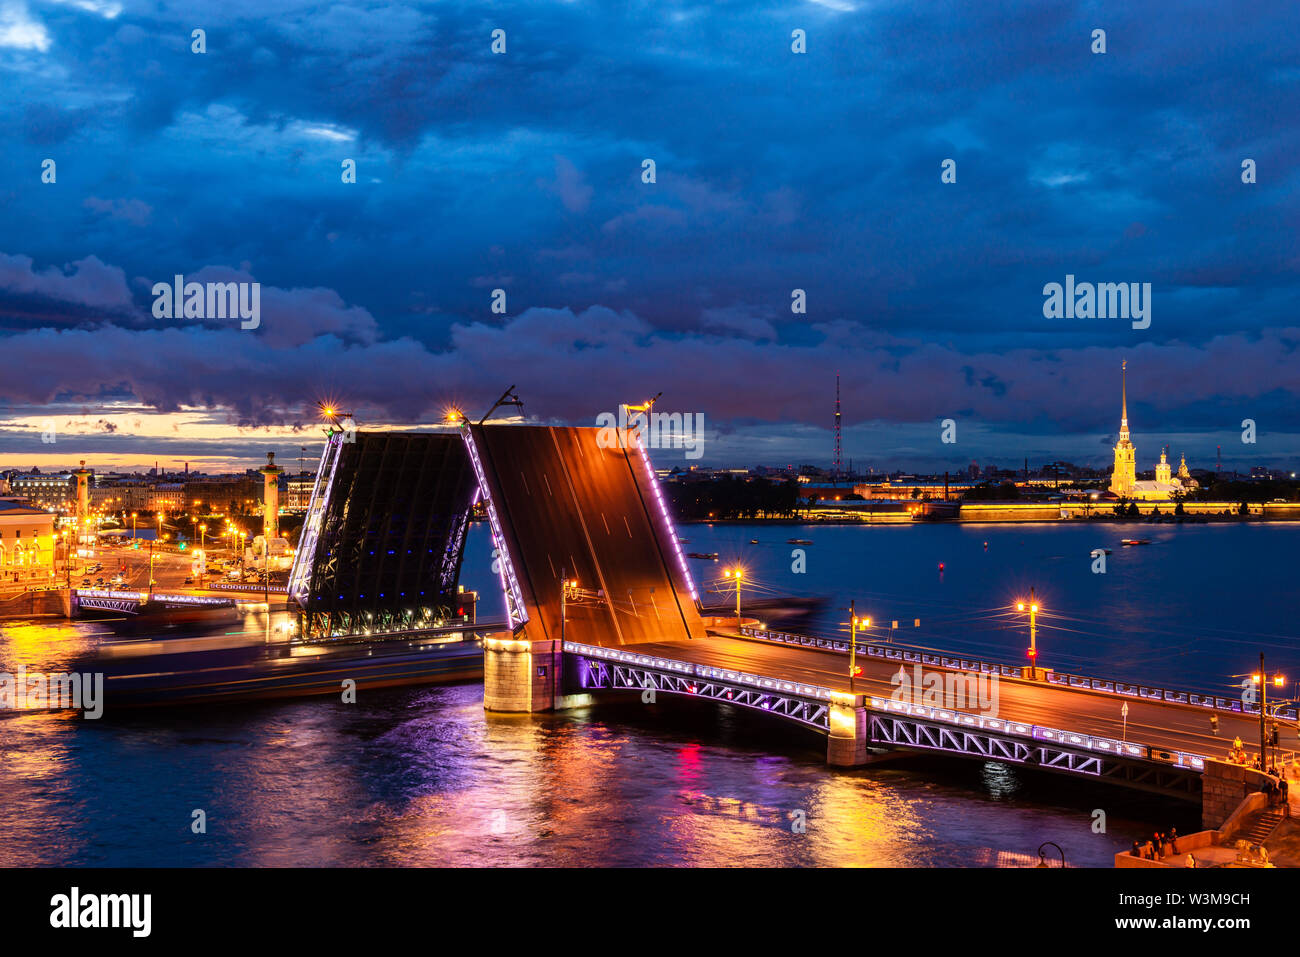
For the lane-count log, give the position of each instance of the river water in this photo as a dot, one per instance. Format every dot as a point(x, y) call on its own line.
point(422, 777)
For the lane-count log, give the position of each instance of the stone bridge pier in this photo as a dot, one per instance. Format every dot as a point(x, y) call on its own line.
point(523, 677)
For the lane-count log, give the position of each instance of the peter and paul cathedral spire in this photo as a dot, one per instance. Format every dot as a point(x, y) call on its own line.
point(1124, 477)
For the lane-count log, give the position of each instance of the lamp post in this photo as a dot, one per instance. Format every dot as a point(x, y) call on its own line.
point(854, 624)
point(203, 555)
point(565, 587)
point(1042, 855)
point(1261, 679)
point(1033, 632)
point(738, 575)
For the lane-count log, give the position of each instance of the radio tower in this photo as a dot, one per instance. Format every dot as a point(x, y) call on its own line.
point(839, 451)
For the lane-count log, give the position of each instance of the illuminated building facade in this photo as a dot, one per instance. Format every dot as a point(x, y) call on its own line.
point(27, 542)
point(1124, 482)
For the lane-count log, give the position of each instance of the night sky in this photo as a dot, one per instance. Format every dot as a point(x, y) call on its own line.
point(775, 171)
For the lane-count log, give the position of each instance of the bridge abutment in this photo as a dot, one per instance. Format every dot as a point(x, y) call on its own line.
point(1223, 787)
point(523, 677)
point(846, 745)
point(517, 675)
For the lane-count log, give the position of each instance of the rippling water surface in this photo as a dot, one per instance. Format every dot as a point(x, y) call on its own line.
point(422, 777)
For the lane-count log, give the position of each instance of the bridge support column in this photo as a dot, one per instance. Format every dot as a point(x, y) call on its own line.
point(521, 677)
point(847, 745)
point(512, 683)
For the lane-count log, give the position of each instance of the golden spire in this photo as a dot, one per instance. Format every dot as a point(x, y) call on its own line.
point(1123, 418)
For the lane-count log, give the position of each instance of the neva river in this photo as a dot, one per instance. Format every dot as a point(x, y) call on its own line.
point(422, 777)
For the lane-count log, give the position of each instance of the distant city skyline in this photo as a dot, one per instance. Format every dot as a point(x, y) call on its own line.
point(208, 445)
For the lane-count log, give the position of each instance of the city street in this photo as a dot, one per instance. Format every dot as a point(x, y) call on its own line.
point(173, 571)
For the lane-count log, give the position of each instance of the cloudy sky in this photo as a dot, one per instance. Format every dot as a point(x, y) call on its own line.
point(775, 171)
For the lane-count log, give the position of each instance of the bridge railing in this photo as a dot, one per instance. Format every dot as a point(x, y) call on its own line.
point(249, 587)
point(1054, 736)
point(702, 671)
point(1120, 689)
point(139, 597)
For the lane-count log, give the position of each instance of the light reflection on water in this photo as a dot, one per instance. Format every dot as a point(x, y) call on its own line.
point(422, 777)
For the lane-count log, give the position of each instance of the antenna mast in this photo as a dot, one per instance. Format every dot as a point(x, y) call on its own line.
point(838, 466)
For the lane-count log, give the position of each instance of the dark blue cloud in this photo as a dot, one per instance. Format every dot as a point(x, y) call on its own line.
point(775, 171)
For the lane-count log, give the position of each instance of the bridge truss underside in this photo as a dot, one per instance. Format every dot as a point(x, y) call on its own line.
point(910, 734)
point(387, 551)
point(589, 669)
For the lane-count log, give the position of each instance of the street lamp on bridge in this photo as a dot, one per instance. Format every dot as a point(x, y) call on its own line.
point(336, 418)
point(1262, 678)
point(1032, 607)
point(568, 587)
point(854, 624)
point(737, 575)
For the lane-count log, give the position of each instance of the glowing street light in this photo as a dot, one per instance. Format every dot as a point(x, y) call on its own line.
point(203, 562)
point(1261, 678)
point(854, 624)
point(568, 586)
point(738, 575)
point(1032, 607)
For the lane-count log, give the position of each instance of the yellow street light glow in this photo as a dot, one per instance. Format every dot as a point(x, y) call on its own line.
point(1279, 680)
point(1020, 606)
point(1255, 678)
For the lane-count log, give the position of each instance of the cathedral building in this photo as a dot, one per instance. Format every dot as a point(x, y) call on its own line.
point(1124, 482)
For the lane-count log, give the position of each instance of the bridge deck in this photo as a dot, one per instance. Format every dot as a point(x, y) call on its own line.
point(571, 507)
point(1156, 724)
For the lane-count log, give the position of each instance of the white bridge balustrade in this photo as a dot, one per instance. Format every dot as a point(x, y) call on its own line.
point(130, 602)
point(1122, 689)
point(597, 668)
point(886, 725)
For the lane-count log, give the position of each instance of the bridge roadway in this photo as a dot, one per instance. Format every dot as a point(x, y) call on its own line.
point(573, 507)
point(1163, 725)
